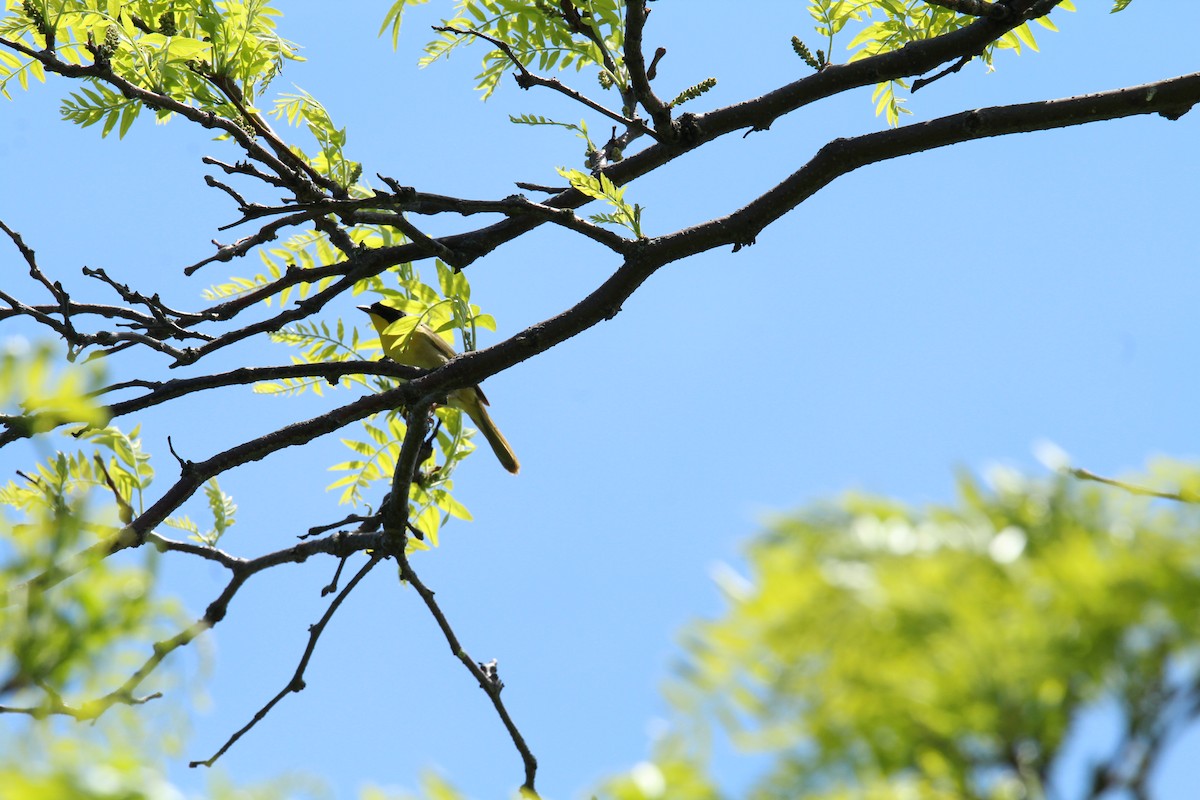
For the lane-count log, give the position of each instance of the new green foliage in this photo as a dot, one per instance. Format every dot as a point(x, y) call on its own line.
point(184, 50)
point(887, 25)
point(600, 187)
point(540, 35)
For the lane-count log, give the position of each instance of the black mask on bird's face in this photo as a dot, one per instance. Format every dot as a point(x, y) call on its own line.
point(386, 313)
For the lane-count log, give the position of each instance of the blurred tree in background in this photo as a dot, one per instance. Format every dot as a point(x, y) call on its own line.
point(879, 651)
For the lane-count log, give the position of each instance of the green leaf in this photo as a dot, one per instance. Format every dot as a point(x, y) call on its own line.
point(393, 18)
point(602, 188)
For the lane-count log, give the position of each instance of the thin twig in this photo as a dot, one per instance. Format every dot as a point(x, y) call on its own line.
point(1179, 497)
point(56, 290)
point(920, 83)
point(635, 60)
point(82, 713)
point(233, 93)
point(526, 79)
point(245, 168)
point(296, 683)
point(490, 686)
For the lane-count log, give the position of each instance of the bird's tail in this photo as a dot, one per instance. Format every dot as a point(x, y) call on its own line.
point(500, 446)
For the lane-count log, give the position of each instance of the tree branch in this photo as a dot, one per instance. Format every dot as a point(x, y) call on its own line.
point(635, 61)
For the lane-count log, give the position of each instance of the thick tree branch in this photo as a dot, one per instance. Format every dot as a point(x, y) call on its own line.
point(1170, 98)
point(756, 114)
point(915, 58)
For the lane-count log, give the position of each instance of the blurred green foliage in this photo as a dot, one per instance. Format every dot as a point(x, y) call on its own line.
point(878, 651)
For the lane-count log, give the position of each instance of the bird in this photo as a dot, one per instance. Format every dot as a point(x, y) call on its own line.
point(425, 349)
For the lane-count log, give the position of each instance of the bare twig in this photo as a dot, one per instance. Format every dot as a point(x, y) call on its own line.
point(635, 60)
point(1180, 497)
point(245, 168)
point(526, 79)
point(538, 187)
point(56, 290)
point(233, 93)
point(950, 70)
point(296, 683)
point(489, 684)
point(158, 325)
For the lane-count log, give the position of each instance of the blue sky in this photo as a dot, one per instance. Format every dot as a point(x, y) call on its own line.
point(940, 311)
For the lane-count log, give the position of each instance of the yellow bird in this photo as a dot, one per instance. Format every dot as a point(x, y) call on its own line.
point(425, 349)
